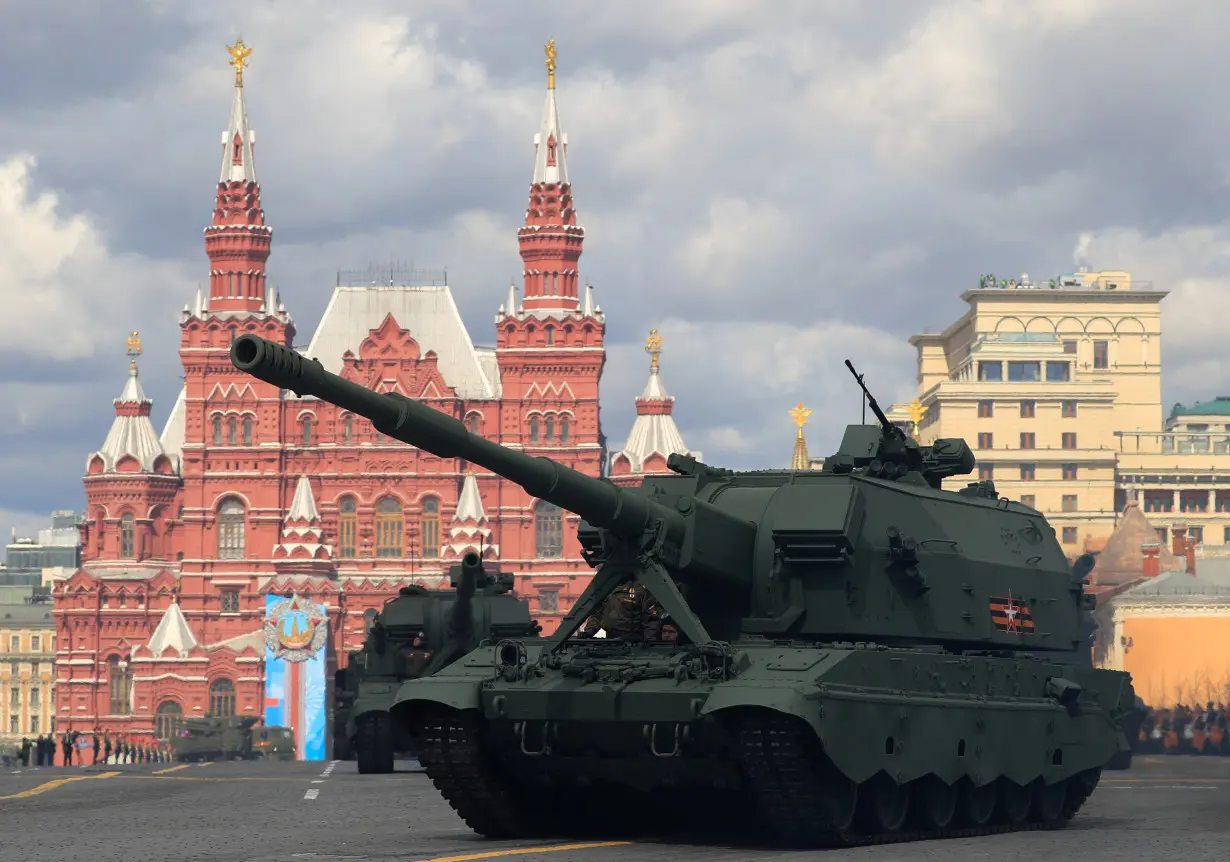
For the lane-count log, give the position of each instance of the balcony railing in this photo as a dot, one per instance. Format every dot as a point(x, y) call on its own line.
point(1173, 443)
point(1071, 281)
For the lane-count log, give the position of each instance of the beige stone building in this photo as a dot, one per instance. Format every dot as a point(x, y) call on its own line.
point(27, 659)
point(1180, 473)
point(1044, 380)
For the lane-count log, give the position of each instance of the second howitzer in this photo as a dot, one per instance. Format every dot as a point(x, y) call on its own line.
point(861, 655)
point(416, 633)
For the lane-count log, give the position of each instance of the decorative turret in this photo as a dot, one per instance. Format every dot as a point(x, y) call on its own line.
point(549, 343)
point(654, 436)
point(302, 549)
point(551, 239)
point(800, 460)
point(130, 481)
point(132, 435)
point(238, 240)
point(172, 632)
point(470, 530)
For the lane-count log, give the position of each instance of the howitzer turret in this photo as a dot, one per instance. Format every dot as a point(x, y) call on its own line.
point(772, 553)
point(863, 655)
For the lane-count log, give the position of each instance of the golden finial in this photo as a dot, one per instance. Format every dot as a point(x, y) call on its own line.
point(800, 460)
point(800, 415)
point(134, 349)
point(916, 412)
point(239, 59)
point(653, 346)
point(550, 64)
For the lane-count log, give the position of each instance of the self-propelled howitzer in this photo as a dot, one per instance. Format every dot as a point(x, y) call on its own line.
point(416, 633)
point(910, 644)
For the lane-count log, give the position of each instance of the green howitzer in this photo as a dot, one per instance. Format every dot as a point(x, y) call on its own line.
point(208, 738)
point(862, 655)
point(415, 634)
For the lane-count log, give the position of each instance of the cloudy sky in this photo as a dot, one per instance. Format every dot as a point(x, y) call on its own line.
point(775, 186)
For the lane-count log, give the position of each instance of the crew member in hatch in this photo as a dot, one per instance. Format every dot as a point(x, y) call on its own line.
point(416, 659)
point(629, 613)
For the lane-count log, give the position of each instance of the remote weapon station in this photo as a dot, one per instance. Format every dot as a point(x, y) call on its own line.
point(862, 655)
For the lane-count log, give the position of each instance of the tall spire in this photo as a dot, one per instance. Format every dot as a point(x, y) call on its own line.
point(238, 140)
point(800, 415)
point(654, 432)
point(551, 240)
point(238, 240)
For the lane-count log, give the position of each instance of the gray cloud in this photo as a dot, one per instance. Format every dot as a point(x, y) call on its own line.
point(774, 190)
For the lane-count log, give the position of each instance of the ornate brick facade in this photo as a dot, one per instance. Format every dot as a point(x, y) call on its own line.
point(251, 491)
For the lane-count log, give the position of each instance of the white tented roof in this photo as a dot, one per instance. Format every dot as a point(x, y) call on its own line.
point(132, 433)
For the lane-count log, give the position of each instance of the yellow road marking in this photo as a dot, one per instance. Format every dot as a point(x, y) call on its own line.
point(216, 778)
point(59, 782)
point(525, 851)
point(170, 769)
point(1186, 779)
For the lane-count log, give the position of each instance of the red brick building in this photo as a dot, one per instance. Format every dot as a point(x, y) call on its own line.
point(250, 491)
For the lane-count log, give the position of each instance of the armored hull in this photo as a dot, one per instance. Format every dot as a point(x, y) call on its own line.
point(832, 744)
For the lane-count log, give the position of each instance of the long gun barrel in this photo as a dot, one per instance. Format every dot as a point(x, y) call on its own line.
point(600, 503)
point(462, 626)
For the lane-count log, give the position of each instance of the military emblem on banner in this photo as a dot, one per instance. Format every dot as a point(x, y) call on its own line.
point(1009, 614)
point(296, 629)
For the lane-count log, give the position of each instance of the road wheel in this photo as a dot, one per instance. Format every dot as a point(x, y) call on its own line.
point(374, 744)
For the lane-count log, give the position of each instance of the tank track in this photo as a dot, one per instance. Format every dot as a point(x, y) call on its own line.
point(778, 761)
point(457, 767)
point(374, 744)
point(775, 752)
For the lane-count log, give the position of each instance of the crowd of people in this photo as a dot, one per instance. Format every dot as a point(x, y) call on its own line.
point(1185, 730)
point(78, 749)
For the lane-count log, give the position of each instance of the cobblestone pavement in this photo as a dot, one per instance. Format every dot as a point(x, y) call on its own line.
point(1164, 808)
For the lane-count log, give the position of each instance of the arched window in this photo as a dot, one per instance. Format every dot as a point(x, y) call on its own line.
point(472, 422)
point(232, 428)
point(533, 429)
point(119, 678)
point(430, 524)
point(306, 424)
point(550, 435)
point(390, 528)
point(217, 430)
point(221, 698)
point(550, 335)
point(230, 530)
point(167, 718)
point(548, 531)
point(128, 536)
point(247, 430)
point(348, 528)
point(564, 430)
point(348, 428)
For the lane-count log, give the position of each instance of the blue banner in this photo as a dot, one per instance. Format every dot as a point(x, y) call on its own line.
point(296, 633)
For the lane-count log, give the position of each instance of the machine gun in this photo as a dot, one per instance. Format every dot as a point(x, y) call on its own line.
point(869, 549)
